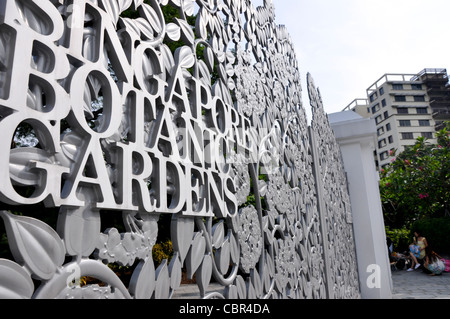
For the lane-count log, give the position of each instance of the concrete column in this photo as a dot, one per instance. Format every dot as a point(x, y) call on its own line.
point(357, 137)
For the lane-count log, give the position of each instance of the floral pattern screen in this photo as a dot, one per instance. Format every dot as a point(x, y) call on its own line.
point(175, 117)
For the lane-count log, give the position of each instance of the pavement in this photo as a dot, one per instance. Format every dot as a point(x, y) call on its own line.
point(406, 285)
point(418, 285)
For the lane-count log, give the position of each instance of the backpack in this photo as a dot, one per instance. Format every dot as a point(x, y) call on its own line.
point(400, 264)
point(447, 265)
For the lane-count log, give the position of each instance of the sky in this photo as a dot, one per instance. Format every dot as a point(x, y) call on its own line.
point(347, 45)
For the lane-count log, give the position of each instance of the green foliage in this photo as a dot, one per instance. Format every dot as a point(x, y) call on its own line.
point(401, 238)
point(416, 184)
point(162, 251)
point(436, 231)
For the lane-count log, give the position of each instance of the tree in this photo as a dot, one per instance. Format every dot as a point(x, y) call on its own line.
point(417, 182)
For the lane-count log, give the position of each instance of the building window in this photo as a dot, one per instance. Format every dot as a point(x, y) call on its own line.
point(373, 97)
point(427, 134)
point(378, 119)
point(416, 86)
point(405, 123)
point(383, 103)
point(384, 155)
point(397, 86)
point(388, 127)
point(380, 131)
point(381, 91)
point(400, 98)
point(386, 115)
point(424, 122)
point(422, 110)
point(407, 136)
point(402, 110)
point(375, 108)
point(419, 98)
point(391, 139)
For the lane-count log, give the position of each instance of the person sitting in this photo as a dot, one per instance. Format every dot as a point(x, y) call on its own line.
point(433, 262)
point(414, 251)
point(422, 243)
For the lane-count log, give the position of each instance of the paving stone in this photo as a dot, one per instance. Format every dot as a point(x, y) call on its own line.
point(406, 285)
point(418, 285)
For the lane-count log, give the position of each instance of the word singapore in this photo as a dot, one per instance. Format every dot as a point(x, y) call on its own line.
point(119, 131)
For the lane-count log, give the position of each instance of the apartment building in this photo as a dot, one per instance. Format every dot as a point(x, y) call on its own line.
point(438, 89)
point(401, 105)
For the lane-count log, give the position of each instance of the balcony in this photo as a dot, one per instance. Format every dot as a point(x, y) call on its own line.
point(439, 75)
point(440, 104)
point(441, 114)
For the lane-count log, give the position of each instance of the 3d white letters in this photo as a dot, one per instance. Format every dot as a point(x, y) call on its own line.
point(181, 112)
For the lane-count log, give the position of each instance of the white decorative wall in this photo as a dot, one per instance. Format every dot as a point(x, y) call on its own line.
point(356, 137)
point(124, 108)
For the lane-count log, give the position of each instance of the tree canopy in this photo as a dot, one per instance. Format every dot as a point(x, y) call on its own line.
point(416, 184)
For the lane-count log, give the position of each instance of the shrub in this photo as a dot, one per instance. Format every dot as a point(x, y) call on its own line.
point(436, 231)
point(401, 238)
point(162, 251)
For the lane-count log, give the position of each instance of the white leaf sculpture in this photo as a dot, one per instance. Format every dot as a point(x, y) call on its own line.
point(143, 281)
point(182, 230)
point(241, 288)
point(15, 281)
point(112, 8)
point(231, 292)
point(222, 257)
point(173, 31)
point(187, 35)
point(218, 232)
point(152, 18)
point(34, 16)
point(234, 249)
point(184, 57)
point(145, 28)
point(209, 58)
point(175, 271)
point(34, 244)
point(251, 293)
point(256, 281)
point(80, 229)
point(195, 255)
point(162, 281)
point(203, 274)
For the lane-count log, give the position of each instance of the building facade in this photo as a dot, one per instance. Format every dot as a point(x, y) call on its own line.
point(438, 89)
point(405, 107)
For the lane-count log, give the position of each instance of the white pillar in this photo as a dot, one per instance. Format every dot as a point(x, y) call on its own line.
point(357, 137)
